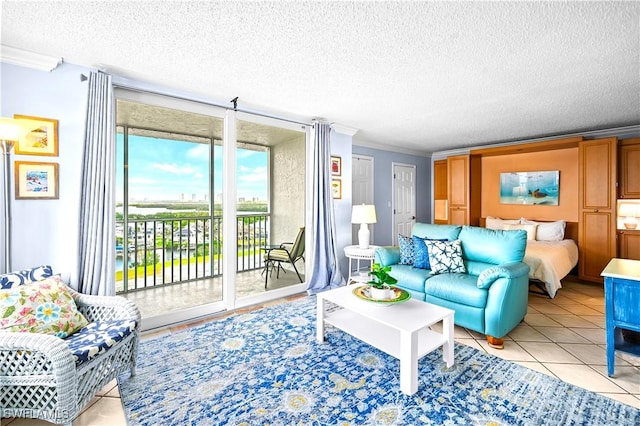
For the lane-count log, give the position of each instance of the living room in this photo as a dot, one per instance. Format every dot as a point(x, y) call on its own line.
point(408, 127)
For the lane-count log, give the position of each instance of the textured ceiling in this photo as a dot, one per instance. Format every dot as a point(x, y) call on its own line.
point(424, 76)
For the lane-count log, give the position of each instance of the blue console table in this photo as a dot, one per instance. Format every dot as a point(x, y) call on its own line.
point(622, 307)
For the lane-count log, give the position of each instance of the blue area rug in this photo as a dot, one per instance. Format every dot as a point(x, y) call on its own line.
point(265, 368)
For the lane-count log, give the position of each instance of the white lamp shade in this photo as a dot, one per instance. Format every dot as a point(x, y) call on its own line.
point(630, 210)
point(363, 213)
point(10, 130)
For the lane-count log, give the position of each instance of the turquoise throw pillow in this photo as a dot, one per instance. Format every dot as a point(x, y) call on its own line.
point(421, 259)
point(407, 253)
point(445, 256)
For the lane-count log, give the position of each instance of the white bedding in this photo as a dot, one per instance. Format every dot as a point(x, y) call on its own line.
point(550, 261)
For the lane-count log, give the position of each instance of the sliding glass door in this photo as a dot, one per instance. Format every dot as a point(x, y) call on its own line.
point(203, 195)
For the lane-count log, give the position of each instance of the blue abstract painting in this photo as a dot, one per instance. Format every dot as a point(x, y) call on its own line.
point(541, 188)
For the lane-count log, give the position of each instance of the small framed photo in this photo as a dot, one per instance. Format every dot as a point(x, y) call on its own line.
point(39, 136)
point(336, 166)
point(36, 180)
point(336, 186)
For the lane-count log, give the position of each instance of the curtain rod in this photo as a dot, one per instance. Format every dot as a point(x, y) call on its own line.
point(124, 85)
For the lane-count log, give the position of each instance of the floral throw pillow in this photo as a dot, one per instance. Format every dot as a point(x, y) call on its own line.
point(40, 307)
point(445, 256)
point(407, 252)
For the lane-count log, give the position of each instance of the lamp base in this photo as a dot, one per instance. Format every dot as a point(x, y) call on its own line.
point(363, 236)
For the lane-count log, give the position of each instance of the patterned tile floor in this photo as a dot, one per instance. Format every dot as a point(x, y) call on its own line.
point(562, 337)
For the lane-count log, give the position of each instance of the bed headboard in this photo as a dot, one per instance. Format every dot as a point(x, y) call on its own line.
point(570, 231)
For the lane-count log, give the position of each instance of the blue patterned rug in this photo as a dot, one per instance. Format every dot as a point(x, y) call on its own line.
point(265, 368)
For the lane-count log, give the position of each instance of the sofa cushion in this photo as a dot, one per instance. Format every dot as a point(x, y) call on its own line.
point(445, 256)
point(458, 288)
point(409, 277)
point(493, 246)
point(24, 276)
point(407, 251)
point(40, 307)
point(97, 338)
point(436, 232)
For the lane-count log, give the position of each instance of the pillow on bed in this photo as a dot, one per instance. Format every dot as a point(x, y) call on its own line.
point(531, 230)
point(548, 231)
point(498, 224)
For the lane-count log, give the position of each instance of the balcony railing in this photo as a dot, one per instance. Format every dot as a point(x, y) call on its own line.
point(162, 252)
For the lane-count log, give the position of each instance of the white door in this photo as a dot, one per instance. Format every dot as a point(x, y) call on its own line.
point(362, 188)
point(404, 199)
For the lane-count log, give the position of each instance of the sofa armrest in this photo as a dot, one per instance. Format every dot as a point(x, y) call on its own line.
point(507, 270)
point(100, 308)
point(387, 255)
point(32, 360)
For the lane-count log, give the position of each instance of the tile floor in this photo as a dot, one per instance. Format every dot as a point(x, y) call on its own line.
point(562, 337)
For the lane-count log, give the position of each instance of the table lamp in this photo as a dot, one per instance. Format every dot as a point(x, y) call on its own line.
point(363, 214)
point(630, 212)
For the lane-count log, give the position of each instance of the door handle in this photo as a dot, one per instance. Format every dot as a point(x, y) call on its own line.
point(413, 218)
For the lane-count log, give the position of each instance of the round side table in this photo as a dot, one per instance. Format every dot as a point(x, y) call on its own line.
point(358, 254)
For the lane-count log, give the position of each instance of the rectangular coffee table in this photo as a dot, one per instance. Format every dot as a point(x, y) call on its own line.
point(400, 330)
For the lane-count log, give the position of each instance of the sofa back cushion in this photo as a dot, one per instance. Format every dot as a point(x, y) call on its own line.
point(492, 246)
point(436, 232)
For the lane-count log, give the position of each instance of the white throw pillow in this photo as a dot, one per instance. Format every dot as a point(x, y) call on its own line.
point(548, 231)
point(531, 229)
point(497, 223)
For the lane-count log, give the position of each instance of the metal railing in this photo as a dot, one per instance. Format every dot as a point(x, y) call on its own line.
point(160, 252)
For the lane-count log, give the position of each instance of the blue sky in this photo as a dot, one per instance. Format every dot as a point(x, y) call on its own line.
point(161, 169)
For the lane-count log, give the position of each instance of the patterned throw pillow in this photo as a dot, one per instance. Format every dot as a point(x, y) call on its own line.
point(445, 256)
point(421, 259)
point(24, 276)
point(40, 307)
point(407, 253)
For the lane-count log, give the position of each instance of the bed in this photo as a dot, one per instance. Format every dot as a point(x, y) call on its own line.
point(548, 261)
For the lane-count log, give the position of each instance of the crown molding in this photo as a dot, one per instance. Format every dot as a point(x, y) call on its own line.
point(345, 130)
point(12, 55)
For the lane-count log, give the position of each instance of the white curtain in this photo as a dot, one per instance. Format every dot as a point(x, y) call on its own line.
point(96, 273)
point(325, 273)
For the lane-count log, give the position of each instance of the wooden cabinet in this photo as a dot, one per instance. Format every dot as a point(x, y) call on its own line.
point(629, 168)
point(629, 244)
point(464, 185)
point(440, 192)
point(596, 206)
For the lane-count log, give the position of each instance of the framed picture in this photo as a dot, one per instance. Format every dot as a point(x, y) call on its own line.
point(336, 166)
point(36, 180)
point(540, 188)
point(336, 186)
point(40, 136)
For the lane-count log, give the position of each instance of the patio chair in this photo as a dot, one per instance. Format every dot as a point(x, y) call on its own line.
point(285, 253)
point(53, 375)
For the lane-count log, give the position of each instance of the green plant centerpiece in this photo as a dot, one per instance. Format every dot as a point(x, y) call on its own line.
point(381, 281)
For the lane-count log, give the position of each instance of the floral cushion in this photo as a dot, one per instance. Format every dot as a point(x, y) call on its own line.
point(44, 306)
point(407, 253)
point(445, 256)
point(24, 276)
point(97, 338)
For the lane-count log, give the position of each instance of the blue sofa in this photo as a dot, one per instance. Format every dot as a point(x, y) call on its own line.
point(490, 297)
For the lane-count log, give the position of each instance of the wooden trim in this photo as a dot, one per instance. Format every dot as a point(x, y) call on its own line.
point(529, 147)
point(631, 141)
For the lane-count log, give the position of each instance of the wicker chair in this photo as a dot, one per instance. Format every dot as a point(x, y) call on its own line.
point(39, 376)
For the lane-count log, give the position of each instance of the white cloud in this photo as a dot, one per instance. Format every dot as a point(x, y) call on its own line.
point(198, 151)
point(173, 169)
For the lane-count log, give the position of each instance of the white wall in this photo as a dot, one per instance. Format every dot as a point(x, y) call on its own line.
point(46, 231)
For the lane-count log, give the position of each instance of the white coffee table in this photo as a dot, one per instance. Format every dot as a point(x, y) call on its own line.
point(400, 330)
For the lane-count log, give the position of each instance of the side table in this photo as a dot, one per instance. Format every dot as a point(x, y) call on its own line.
point(622, 308)
point(357, 253)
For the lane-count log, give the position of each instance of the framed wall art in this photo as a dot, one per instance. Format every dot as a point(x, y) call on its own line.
point(336, 166)
point(40, 136)
point(540, 188)
point(36, 180)
point(336, 186)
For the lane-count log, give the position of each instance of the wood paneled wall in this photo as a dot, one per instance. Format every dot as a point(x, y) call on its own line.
point(565, 160)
